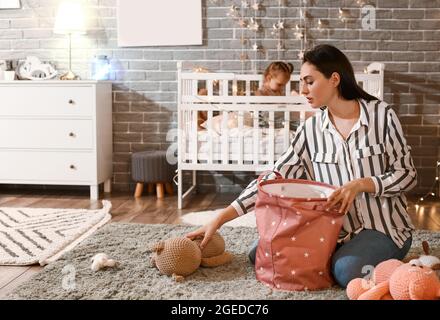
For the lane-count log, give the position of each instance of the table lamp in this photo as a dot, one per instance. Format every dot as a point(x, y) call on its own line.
point(70, 20)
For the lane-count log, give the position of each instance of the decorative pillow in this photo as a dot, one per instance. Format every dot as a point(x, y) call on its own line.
point(232, 121)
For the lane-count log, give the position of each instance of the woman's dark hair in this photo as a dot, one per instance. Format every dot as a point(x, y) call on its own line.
point(328, 59)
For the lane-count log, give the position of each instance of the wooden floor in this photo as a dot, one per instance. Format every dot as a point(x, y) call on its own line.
point(147, 209)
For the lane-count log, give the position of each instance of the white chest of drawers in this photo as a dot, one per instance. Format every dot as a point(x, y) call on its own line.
point(56, 132)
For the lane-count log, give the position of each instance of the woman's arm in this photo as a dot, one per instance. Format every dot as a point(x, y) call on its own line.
point(208, 230)
point(402, 175)
point(289, 165)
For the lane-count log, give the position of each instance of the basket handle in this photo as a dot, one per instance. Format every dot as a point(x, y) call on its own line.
point(278, 175)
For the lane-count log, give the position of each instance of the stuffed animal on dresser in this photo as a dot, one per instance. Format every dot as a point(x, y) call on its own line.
point(180, 257)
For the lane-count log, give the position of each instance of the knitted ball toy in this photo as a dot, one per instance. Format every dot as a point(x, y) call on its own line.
point(180, 257)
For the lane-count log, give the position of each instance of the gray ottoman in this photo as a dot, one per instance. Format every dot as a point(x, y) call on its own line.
point(152, 167)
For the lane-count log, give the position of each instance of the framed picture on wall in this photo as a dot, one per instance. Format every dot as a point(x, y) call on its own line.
point(159, 23)
point(10, 4)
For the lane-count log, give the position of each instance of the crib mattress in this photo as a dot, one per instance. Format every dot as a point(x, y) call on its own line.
point(203, 145)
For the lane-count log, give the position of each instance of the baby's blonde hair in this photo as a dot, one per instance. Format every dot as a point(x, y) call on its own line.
point(278, 66)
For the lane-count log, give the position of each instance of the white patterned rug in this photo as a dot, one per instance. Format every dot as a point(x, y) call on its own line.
point(41, 235)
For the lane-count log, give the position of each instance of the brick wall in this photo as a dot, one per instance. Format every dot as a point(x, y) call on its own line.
point(406, 39)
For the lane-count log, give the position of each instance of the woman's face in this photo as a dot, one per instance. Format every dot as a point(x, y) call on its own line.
point(278, 81)
point(316, 87)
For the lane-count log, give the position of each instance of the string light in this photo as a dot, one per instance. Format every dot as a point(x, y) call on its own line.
point(342, 14)
point(301, 33)
point(256, 6)
point(434, 191)
point(232, 11)
point(277, 30)
point(254, 26)
point(236, 12)
point(200, 70)
point(243, 24)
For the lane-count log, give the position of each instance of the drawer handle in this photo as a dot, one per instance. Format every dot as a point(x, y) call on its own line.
point(71, 134)
point(71, 101)
point(72, 167)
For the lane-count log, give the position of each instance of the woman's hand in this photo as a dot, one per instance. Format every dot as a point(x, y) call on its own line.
point(344, 195)
point(207, 231)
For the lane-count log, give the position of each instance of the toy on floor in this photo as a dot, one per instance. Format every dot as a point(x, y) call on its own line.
point(101, 260)
point(180, 257)
point(426, 260)
point(396, 280)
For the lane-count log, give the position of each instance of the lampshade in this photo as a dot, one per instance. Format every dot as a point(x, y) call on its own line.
point(70, 18)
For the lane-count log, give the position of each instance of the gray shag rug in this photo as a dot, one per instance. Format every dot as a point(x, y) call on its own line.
point(70, 277)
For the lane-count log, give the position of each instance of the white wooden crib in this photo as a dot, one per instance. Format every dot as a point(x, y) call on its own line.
point(241, 140)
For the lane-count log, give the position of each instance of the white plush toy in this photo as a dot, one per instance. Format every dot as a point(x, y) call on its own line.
point(101, 260)
point(426, 260)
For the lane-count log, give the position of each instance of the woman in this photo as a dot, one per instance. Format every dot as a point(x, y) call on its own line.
point(357, 144)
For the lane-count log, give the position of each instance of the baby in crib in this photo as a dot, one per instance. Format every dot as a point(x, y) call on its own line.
point(276, 76)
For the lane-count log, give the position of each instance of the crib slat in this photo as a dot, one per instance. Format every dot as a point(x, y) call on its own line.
point(225, 138)
point(225, 88)
point(194, 85)
point(185, 130)
point(180, 124)
point(286, 130)
point(248, 87)
point(210, 138)
point(194, 138)
point(288, 89)
point(271, 147)
point(256, 131)
point(302, 117)
point(210, 89)
point(240, 137)
point(234, 87)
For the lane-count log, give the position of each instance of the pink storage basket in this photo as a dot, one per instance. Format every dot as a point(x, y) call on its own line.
point(297, 235)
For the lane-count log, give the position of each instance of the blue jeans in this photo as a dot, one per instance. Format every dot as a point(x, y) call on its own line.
point(368, 248)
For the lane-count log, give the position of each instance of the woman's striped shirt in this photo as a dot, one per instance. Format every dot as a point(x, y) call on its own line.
point(375, 148)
